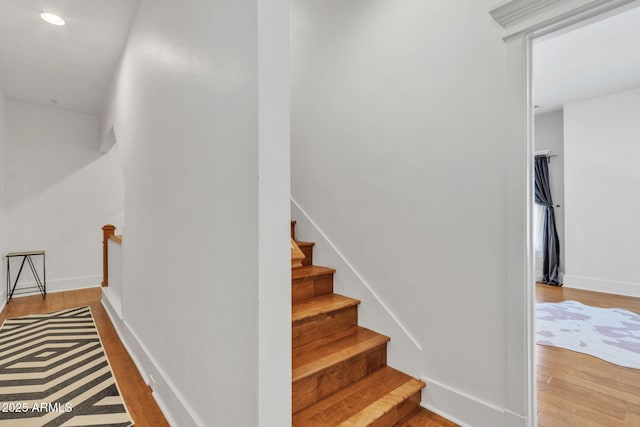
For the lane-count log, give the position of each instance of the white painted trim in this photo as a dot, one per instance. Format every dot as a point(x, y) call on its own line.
point(519, 396)
point(62, 285)
point(580, 15)
point(113, 300)
point(3, 303)
point(359, 276)
point(514, 420)
point(171, 402)
point(554, 15)
point(518, 9)
point(73, 283)
point(443, 400)
point(602, 285)
point(531, 417)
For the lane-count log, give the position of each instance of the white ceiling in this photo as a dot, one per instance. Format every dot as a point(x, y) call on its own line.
point(593, 60)
point(72, 64)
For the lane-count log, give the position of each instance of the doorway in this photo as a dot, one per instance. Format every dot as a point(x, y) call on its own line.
point(586, 100)
point(524, 22)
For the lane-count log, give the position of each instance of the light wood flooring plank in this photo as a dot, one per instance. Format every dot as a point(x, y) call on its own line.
point(578, 390)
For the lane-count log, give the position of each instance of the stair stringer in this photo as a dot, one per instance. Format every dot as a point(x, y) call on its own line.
point(404, 352)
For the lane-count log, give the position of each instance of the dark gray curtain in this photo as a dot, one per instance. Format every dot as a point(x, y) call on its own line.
point(550, 241)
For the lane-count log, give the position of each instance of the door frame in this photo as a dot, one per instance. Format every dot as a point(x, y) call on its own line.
point(524, 22)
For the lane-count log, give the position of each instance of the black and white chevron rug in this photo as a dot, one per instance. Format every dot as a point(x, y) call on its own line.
point(54, 372)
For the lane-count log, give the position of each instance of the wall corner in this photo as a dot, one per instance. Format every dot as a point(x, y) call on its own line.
point(107, 139)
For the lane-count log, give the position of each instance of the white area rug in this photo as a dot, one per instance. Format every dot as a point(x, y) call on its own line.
point(611, 334)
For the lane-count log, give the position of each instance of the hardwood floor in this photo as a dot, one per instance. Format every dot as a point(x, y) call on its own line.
point(137, 395)
point(574, 390)
point(578, 390)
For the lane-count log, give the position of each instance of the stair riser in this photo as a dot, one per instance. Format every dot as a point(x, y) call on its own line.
point(293, 230)
point(399, 412)
point(315, 387)
point(305, 331)
point(312, 287)
point(308, 255)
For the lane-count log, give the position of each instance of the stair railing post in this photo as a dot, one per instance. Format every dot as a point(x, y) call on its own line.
point(107, 230)
point(296, 255)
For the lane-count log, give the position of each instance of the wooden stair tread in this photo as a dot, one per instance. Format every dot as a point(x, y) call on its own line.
point(309, 271)
point(361, 403)
point(317, 306)
point(425, 418)
point(339, 371)
point(305, 244)
point(322, 353)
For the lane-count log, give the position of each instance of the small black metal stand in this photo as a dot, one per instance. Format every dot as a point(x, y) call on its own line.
point(41, 285)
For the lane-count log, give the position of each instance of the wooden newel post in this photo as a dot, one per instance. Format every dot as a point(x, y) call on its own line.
point(296, 255)
point(107, 230)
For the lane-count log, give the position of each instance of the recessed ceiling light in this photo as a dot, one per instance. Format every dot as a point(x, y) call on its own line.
point(52, 19)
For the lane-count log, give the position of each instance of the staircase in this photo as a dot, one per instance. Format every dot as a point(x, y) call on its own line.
point(340, 375)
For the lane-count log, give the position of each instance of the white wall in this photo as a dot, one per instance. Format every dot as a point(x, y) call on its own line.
point(59, 192)
point(399, 155)
point(549, 135)
point(602, 177)
point(114, 290)
point(3, 229)
point(205, 258)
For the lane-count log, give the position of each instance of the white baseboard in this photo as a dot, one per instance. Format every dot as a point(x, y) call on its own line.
point(67, 284)
point(171, 402)
point(3, 299)
point(114, 301)
point(602, 285)
point(472, 412)
point(512, 419)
